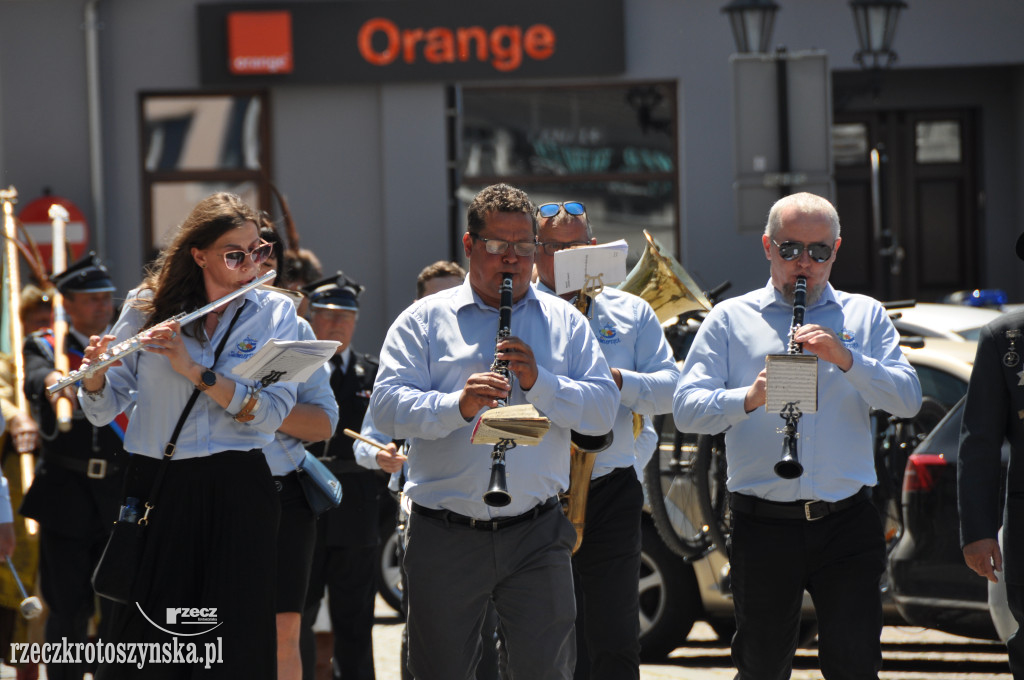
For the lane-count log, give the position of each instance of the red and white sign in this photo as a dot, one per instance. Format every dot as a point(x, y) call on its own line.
point(36, 218)
point(259, 42)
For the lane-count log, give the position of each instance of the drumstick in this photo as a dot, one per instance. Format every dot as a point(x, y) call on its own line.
point(356, 435)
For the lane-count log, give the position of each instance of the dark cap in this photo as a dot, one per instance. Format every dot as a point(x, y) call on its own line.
point(334, 292)
point(87, 275)
point(1020, 246)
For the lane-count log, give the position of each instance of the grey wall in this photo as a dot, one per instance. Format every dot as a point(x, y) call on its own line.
point(364, 168)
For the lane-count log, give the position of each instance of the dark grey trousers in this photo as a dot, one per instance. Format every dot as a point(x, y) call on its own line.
point(453, 570)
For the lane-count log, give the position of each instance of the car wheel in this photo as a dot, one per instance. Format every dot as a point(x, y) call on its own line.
point(389, 573)
point(669, 600)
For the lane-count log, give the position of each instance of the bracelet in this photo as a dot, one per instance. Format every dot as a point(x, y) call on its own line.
point(93, 394)
point(247, 412)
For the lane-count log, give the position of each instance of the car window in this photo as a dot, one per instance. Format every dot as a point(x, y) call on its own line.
point(940, 386)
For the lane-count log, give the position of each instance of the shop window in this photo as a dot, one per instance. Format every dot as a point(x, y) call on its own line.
point(194, 144)
point(937, 141)
point(613, 147)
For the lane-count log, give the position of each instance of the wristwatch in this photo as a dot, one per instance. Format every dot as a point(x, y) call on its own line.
point(206, 380)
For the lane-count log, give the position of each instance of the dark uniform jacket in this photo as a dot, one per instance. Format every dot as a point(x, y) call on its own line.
point(994, 411)
point(77, 488)
point(355, 521)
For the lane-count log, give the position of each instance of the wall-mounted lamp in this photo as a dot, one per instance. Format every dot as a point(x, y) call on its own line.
point(875, 21)
point(751, 22)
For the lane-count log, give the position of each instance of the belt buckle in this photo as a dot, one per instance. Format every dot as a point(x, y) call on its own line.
point(96, 468)
point(809, 513)
point(483, 523)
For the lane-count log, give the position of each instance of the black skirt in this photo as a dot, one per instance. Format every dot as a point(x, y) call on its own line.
point(205, 590)
point(295, 538)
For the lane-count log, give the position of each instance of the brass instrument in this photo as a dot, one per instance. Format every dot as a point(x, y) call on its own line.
point(59, 218)
point(583, 450)
point(663, 283)
point(789, 466)
point(497, 494)
point(134, 343)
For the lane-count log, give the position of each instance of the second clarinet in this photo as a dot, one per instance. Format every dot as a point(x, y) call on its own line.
point(497, 494)
point(789, 466)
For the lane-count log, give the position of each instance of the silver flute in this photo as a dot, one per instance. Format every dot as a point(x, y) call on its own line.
point(134, 343)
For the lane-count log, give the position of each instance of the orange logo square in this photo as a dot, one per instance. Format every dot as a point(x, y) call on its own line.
point(259, 42)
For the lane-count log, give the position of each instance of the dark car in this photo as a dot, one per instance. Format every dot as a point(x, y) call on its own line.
point(931, 584)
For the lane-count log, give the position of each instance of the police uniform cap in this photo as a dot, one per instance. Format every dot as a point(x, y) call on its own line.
point(87, 275)
point(334, 292)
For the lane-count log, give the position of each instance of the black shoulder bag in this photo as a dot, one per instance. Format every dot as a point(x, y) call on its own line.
point(114, 577)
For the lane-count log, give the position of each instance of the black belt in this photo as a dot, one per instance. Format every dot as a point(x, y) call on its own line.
point(598, 481)
point(807, 510)
point(93, 468)
point(485, 524)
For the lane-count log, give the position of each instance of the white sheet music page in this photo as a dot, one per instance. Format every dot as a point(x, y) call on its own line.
point(573, 266)
point(792, 378)
point(286, 360)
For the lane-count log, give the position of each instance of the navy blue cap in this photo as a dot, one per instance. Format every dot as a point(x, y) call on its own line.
point(87, 275)
point(334, 292)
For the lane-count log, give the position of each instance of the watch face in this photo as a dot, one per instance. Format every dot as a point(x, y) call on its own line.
point(209, 378)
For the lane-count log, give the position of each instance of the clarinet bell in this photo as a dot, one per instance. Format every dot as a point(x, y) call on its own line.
point(789, 467)
point(497, 494)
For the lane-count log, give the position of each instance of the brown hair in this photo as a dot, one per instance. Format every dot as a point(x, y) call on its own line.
point(499, 198)
point(436, 271)
point(175, 279)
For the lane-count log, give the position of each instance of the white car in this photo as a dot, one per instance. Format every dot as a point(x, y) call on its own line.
point(932, 320)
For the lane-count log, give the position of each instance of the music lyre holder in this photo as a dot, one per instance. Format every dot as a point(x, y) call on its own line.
point(789, 466)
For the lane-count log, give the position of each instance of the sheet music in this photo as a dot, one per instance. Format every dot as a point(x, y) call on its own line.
point(574, 265)
point(792, 378)
point(286, 360)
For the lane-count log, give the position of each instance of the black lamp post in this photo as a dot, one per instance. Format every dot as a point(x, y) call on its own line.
point(751, 22)
point(875, 21)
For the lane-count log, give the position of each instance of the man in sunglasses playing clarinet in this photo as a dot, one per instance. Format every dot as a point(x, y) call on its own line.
point(435, 380)
point(812, 528)
point(606, 568)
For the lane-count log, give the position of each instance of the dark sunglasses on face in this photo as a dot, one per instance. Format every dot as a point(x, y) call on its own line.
point(551, 209)
point(234, 258)
point(551, 247)
point(790, 250)
point(498, 247)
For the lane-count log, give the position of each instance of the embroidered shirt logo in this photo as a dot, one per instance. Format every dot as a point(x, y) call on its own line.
point(607, 335)
point(848, 337)
point(244, 348)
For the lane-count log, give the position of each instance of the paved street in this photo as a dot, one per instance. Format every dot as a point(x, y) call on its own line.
point(908, 654)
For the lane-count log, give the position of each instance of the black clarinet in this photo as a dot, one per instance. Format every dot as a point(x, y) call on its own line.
point(497, 494)
point(789, 466)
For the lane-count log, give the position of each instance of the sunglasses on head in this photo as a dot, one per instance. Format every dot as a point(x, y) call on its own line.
point(233, 259)
point(790, 250)
point(496, 246)
point(551, 209)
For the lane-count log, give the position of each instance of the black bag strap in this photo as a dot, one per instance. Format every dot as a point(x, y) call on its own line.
point(169, 449)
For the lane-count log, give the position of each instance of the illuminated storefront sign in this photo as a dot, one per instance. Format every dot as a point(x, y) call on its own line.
point(408, 40)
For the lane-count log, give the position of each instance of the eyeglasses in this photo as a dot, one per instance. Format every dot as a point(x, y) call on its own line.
point(790, 250)
point(551, 209)
point(551, 247)
point(233, 259)
point(498, 247)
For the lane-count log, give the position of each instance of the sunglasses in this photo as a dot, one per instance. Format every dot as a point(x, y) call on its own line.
point(551, 209)
point(234, 258)
point(552, 247)
point(498, 247)
point(790, 250)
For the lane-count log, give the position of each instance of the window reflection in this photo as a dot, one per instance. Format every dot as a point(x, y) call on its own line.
point(850, 143)
point(215, 132)
point(938, 141)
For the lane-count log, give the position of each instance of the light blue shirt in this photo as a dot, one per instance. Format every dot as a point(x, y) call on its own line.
point(429, 353)
point(365, 454)
point(286, 452)
point(159, 393)
point(835, 443)
point(632, 341)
